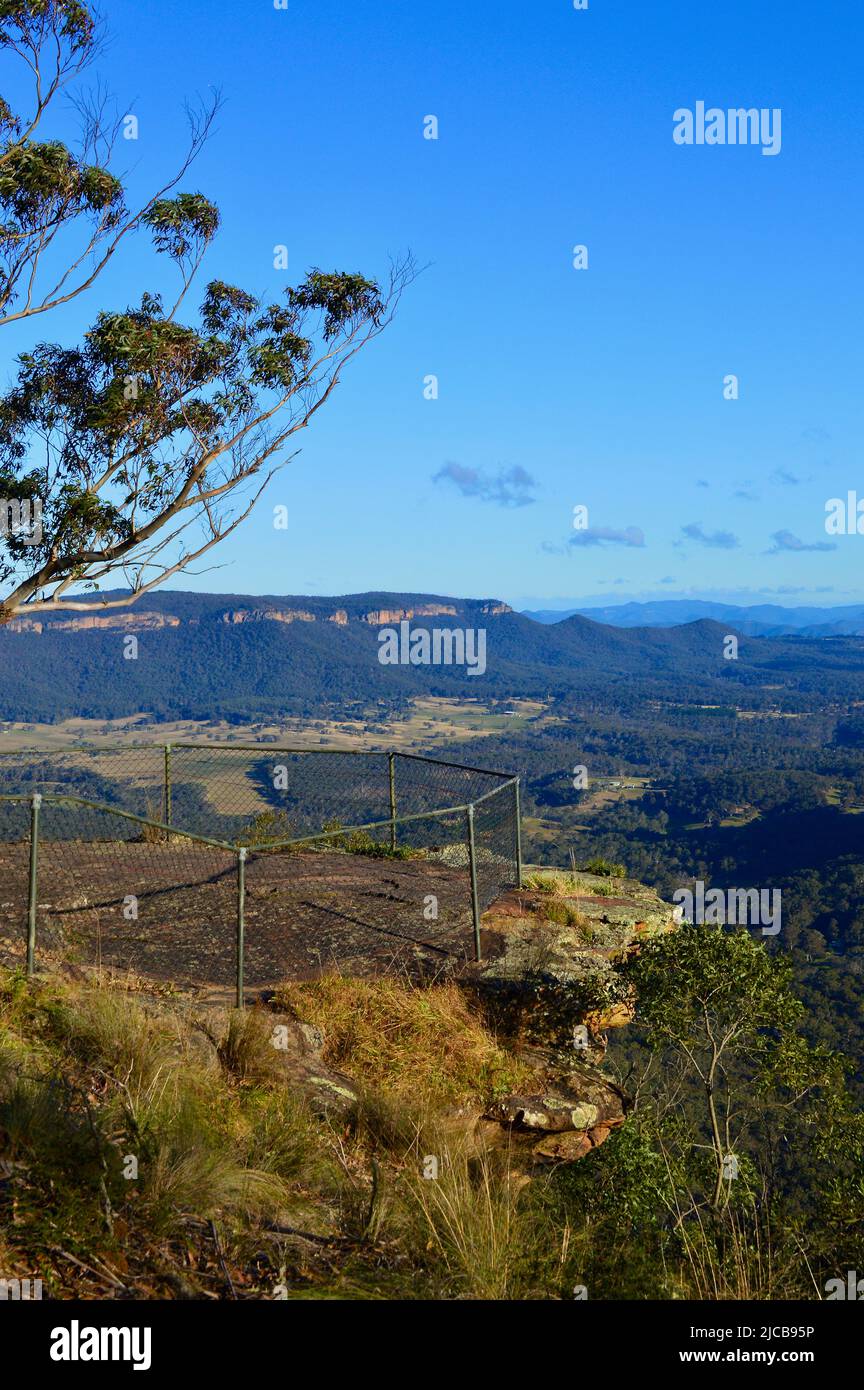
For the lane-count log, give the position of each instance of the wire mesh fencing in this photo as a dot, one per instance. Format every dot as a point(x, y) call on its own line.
point(229, 791)
point(129, 778)
point(234, 868)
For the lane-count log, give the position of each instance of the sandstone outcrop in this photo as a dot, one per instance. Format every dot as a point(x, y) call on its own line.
point(549, 974)
point(298, 1049)
point(133, 621)
point(554, 983)
point(549, 961)
point(268, 615)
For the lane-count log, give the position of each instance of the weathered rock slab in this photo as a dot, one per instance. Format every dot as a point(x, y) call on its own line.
point(583, 1100)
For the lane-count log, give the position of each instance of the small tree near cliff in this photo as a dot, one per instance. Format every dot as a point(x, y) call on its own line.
point(722, 1016)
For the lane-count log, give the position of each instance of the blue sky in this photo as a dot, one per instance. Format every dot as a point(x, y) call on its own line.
point(557, 387)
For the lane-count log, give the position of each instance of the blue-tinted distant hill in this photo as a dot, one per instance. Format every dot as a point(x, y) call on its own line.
point(757, 620)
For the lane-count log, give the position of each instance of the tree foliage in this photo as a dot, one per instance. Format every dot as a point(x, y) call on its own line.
point(151, 441)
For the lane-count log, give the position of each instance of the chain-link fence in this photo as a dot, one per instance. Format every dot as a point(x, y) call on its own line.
point(236, 867)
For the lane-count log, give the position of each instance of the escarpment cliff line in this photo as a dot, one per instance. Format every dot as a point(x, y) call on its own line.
point(181, 611)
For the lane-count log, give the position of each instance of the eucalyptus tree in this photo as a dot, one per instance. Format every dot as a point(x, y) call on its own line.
point(129, 456)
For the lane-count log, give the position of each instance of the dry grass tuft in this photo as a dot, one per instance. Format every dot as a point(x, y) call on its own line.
point(556, 882)
point(477, 1223)
point(246, 1050)
point(564, 914)
point(402, 1040)
point(123, 1036)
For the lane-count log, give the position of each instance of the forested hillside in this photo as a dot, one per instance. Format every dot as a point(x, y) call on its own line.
point(202, 656)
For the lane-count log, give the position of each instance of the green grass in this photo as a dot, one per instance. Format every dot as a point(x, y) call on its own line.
point(564, 914)
point(150, 1154)
point(605, 868)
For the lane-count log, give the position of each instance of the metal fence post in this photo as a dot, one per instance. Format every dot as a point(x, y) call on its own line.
point(167, 783)
point(518, 834)
point(241, 922)
point(35, 804)
point(475, 901)
point(391, 759)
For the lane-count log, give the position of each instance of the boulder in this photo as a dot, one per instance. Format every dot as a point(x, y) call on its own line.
point(549, 962)
point(582, 1100)
point(297, 1051)
point(287, 1050)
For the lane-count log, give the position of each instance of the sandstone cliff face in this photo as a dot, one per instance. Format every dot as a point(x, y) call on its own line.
point(268, 615)
point(384, 617)
point(145, 620)
point(113, 622)
point(553, 957)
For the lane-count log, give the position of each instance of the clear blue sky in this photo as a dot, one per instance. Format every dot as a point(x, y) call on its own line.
point(605, 386)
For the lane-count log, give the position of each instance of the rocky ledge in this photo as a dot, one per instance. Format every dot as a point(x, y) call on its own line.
point(549, 976)
point(548, 979)
point(549, 957)
point(571, 1113)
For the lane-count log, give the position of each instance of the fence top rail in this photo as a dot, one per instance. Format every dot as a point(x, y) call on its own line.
point(463, 767)
point(56, 799)
point(272, 748)
point(44, 752)
point(210, 745)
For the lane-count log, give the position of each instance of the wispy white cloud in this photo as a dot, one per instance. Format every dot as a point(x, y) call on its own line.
point(785, 541)
point(715, 540)
point(607, 535)
point(511, 487)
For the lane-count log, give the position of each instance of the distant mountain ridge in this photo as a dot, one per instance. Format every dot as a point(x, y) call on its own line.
point(176, 609)
point(756, 620)
point(376, 608)
point(239, 656)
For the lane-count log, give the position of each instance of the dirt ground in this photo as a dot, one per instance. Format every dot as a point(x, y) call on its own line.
point(168, 912)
